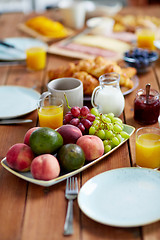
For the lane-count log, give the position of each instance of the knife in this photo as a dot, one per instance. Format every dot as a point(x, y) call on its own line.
point(10, 45)
point(12, 63)
point(14, 121)
point(71, 39)
point(90, 26)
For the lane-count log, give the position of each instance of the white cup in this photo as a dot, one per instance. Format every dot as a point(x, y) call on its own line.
point(72, 87)
point(73, 13)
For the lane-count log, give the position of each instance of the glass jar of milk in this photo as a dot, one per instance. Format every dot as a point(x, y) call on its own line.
point(107, 97)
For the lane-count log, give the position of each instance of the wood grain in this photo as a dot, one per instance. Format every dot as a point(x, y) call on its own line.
point(32, 212)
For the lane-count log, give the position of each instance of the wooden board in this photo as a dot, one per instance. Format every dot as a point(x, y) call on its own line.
point(35, 34)
point(57, 50)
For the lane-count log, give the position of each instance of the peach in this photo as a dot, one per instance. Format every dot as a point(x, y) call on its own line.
point(28, 134)
point(45, 167)
point(19, 157)
point(92, 146)
point(69, 133)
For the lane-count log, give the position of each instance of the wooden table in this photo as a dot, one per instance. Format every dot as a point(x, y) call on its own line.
point(32, 212)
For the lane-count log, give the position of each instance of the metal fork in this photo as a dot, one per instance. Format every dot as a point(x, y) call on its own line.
point(70, 194)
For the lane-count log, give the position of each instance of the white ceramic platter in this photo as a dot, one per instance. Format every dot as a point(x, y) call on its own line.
point(17, 101)
point(21, 43)
point(123, 197)
point(28, 177)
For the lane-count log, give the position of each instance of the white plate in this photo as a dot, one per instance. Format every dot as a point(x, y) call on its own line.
point(135, 81)
point(17, 101)
point(28, 176)
point(124, 197)
point(11, 54)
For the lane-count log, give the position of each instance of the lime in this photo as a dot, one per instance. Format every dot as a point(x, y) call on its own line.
point(71, 157)
point(45, 140)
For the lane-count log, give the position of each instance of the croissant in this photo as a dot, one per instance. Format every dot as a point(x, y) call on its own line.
point(89, 71)
point(60, 72)
point(89, 82)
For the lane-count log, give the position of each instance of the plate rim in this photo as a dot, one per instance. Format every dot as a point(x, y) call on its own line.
point(112, 224)
point(69, 174)
point(21, 38)
point(20, 87)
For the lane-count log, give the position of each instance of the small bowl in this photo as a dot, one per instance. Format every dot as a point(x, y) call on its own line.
point(141, 59)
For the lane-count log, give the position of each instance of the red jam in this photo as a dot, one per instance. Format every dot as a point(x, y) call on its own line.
point(146, 112)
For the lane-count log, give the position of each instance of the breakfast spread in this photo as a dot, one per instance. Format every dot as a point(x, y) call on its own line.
point(89, 70)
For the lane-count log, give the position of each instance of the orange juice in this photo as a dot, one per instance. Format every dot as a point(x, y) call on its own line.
point(51, 116)
point(148, 150)
point(145, 39)
point(36, 58)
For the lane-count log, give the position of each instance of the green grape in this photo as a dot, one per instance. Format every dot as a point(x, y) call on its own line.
point(96, 122)
point(124, 135)
point(110, 126)
point(111, 144)
point(119, 138)
point(116, 119)
point(101, 134)
point(107, 148)
point(92, 130)
point(110, 115)
point(95, 111)
point(97, 118)
point(105, 119)
point(102, 125)
point(108, 134)
point(115, 141)
point(105, 142)
point(121, 125)
point(108, 119)
point(117, 128)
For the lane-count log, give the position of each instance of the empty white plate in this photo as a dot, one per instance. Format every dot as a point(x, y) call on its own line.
point(123, 197)
point(17, 101)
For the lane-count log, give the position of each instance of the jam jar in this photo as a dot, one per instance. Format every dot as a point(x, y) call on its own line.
point(146, 110)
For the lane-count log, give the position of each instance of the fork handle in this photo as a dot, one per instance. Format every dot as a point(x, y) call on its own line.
point(68, 226)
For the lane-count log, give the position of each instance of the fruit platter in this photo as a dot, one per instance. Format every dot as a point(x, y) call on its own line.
point(47, 156)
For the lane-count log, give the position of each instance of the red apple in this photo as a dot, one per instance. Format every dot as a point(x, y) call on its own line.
point(19, 157)
point(92, 146)
point(45, 167)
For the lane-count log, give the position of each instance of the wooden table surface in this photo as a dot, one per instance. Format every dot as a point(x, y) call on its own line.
point(32, 212)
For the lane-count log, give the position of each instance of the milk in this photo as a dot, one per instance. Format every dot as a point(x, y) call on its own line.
point(110, 99)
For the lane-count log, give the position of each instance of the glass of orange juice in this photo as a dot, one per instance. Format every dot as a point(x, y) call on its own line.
point(145, 38)
point(50, 112)
point(148, 147)
point(36, 58)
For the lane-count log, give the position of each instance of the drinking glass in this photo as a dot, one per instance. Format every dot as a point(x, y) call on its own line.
point(145, 38)
point(50, 111)
point(148, 147)
point(36, 58)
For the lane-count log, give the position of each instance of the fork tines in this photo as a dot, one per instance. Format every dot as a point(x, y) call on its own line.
point(72, 184)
